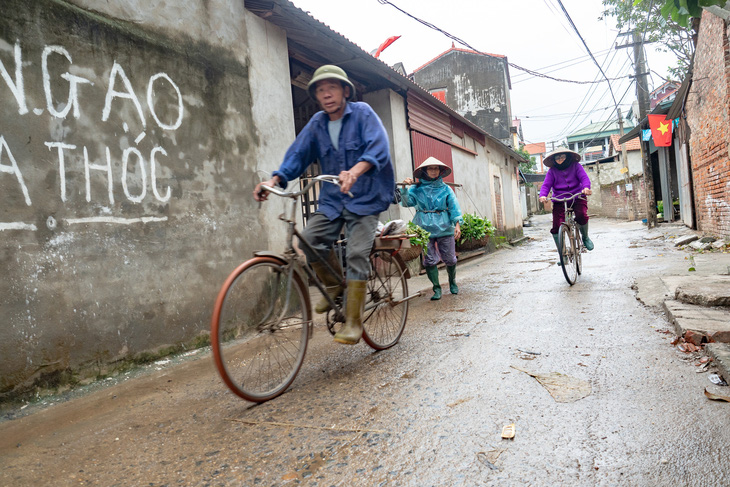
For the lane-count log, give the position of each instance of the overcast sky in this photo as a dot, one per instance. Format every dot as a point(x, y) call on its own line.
point(533, 34)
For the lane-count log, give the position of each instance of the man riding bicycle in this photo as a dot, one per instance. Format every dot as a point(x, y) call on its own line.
point(349, 140)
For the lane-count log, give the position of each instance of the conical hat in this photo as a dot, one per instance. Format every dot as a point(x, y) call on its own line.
point(431, 161)
point(570, 156)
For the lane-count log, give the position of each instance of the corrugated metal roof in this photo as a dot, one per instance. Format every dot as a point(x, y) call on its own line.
point(599, 129)
point(313, 43)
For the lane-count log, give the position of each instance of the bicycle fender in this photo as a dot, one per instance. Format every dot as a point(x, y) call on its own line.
point(273, 255)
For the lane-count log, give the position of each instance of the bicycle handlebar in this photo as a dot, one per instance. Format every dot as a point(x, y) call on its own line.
point(327, 178)
point(568, 198)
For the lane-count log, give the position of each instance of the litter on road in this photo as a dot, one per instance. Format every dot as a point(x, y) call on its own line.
point(563, 388)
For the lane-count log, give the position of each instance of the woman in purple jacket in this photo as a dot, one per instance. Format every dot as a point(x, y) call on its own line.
point(566, 177)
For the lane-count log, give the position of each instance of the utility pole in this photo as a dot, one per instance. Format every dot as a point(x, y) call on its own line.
point(625, 170)
point(642, 94)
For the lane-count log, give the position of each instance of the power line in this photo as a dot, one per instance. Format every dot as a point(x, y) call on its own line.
point(560, 2)
point(571, 123)
point(526, 77)
point(466, 44)
point(560, 115)
point(579, 58)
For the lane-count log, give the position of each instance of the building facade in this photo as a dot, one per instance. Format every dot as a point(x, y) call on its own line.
point(477, 86)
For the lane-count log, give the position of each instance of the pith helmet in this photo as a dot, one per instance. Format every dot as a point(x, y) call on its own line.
point(570, 157)
point(431, 162)
point(329, 71)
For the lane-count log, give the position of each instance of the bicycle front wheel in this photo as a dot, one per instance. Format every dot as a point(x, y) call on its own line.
point(386, 308)
point(260, 328)
point(568, 259)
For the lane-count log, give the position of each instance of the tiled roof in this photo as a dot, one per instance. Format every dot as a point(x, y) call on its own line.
point(452, 48)
point(633, 144)
point(536, 148)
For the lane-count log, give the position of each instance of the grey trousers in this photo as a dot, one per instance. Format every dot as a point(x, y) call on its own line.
point(321, 233)
point(440, 248)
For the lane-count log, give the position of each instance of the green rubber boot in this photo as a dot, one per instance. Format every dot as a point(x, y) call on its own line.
point(451, 270)
point(587, 242)
point(433, 275)
point(332, 284)
point(351, 331)
point(557, 244)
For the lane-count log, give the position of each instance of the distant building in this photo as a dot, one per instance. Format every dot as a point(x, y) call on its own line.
point(517, 137)
point(538, 151)
point(474, 85)
point(662, 93)
point(593, 141)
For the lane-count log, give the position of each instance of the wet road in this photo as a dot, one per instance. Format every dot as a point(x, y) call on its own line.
point(430, 411)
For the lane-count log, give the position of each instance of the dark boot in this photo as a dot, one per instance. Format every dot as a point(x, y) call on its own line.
point(587, 242)
point(433, 275)
point(451, 270)
point(351, 331)
point(557, 244)
point(332, 284)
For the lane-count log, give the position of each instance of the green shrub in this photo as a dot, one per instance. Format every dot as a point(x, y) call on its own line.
point(475, 227)
point(421, 235)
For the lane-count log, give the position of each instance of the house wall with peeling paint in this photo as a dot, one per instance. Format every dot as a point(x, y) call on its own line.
point(476, 87)
point(476, 173)
point(131, 138)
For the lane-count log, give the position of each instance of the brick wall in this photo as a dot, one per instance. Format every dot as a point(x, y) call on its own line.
point(616, 202)
point(707, 109)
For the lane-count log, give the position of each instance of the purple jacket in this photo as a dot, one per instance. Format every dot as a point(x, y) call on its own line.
point(570, 180)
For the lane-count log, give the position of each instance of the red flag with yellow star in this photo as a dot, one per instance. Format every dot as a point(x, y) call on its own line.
point(661, 130)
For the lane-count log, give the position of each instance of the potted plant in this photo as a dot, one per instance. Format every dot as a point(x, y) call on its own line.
point(475, 232)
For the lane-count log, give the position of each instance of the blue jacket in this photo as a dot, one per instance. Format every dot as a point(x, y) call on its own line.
point(362, 138)
point(437, 210)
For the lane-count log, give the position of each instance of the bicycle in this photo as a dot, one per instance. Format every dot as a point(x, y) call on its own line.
point(570, 242)
point(262, 318)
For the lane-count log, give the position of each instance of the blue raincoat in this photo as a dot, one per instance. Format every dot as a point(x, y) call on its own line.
point(437, 210)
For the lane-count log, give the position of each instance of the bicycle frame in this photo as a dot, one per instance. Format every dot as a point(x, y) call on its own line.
point(572, 266)
point(569, 212)
point(290, 255)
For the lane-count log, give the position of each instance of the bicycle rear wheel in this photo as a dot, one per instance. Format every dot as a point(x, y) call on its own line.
point(568, 259)
point(578, 250)
point(386, 311)
point(260, 328)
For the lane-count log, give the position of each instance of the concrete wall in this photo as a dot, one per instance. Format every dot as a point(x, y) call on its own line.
point(614, 194)
point(391, 109)
point(616, 200)
point(131, 139)
point(708, 115)
point(476, 175)
point(473, 195)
